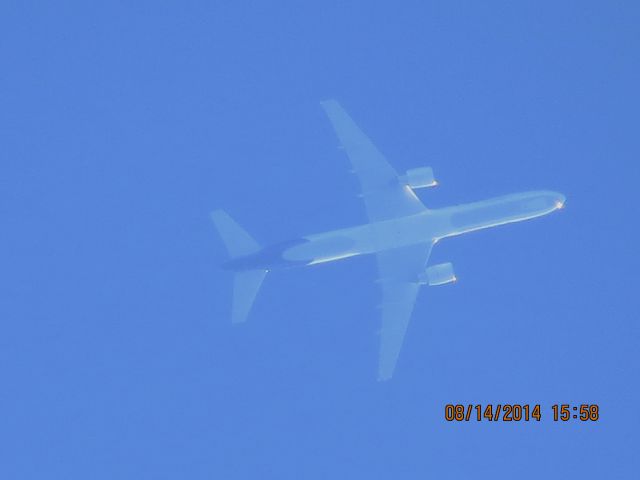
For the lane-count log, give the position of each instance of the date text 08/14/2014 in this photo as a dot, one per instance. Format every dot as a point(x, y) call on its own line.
point(514, 412)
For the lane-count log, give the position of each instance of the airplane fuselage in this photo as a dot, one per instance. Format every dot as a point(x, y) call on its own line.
point(425, 227)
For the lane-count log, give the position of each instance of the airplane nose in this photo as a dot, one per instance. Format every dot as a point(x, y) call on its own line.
point(560, 199)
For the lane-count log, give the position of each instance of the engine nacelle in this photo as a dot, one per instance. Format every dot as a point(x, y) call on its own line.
point(419, 178)
point(440, 274)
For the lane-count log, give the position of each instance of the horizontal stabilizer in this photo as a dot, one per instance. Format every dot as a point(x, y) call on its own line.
point(235, 238)
point(245, 288)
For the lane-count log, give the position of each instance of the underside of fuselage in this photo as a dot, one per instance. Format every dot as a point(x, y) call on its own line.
point(425, 227)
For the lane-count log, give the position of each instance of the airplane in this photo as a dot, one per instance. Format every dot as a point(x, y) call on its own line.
point(401, 233)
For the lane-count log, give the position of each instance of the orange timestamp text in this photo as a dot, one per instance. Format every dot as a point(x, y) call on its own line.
point(515, 412)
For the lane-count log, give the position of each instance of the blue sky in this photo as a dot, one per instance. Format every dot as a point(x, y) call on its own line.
point(124, 125)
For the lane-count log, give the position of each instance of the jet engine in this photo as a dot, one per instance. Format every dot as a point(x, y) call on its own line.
point(419, 178)
point(440, 274)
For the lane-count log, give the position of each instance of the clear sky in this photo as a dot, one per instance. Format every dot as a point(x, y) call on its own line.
point(124, 123)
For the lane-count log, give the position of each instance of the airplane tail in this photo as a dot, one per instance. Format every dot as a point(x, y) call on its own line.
point(246, 283)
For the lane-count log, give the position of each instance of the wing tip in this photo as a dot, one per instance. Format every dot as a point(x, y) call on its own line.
point(329, 104)
point(385, 371)
point(217, 214)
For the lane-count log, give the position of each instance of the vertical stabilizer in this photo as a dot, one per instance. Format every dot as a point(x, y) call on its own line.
point(245, 283)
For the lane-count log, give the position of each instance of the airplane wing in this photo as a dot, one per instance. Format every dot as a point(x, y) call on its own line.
point(384, 196)
point(399, 269)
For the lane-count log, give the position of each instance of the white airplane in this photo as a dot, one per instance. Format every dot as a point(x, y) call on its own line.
point(401, 233)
